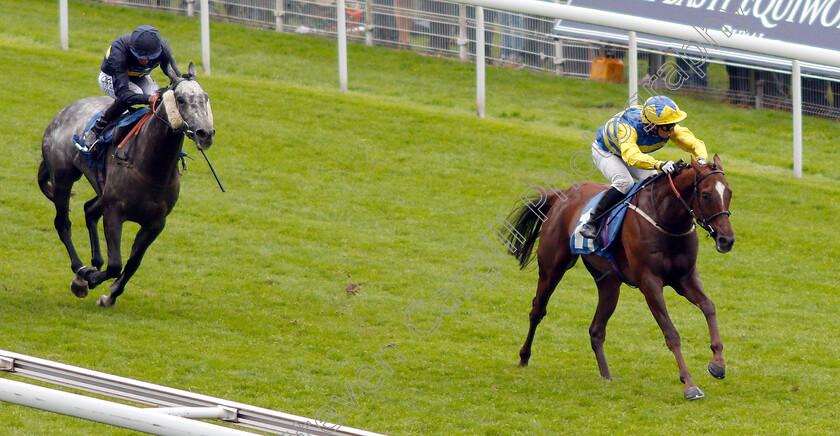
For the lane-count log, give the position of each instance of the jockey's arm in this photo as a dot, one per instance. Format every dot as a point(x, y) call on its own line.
point(167, 55)
point(117, 62)
point(124, 93)
point(630, 151)
point(684, 139)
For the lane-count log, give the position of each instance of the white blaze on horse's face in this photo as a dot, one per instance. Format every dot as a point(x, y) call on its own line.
point(720, 188)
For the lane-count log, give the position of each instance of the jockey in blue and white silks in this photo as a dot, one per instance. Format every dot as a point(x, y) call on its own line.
point(621, 148)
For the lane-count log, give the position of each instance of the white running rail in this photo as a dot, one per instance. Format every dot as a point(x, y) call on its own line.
point(171, 407)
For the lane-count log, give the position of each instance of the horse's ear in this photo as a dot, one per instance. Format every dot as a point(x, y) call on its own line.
point(693, 164)
point(192, 71)
point(718, 165)
point(167, 69)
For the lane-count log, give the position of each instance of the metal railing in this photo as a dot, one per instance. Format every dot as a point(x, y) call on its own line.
point(166, 401)
point(515, 40)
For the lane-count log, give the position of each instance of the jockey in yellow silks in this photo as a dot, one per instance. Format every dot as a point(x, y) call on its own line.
point(621, 148)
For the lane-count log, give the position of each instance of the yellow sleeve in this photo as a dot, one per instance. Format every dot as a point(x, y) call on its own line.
point(630, 150)
point(684, 139)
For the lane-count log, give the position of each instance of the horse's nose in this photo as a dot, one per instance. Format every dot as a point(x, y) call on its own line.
point(204, 137)
point(724, 243)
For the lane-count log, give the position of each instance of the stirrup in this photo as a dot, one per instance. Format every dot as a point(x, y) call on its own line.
point(95, 139)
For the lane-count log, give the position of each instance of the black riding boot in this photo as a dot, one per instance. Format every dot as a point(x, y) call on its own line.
point(607, 201)
point(92, 136)
point(108, 116)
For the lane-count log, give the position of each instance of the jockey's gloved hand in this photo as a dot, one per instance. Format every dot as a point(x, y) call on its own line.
point(701, 161)
point(668, 167)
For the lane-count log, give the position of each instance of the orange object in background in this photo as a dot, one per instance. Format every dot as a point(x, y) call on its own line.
point(607, 70)
point(354, 17)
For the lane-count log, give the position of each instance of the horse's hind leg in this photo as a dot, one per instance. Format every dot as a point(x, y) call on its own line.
point(550, 276)
point(61, 198)
point(608, 292)
point(142, 241)
point(57, 185)
point(93, 211)
point(692, 289)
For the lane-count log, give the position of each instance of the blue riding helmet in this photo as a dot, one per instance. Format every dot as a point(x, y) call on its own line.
point(145, 42)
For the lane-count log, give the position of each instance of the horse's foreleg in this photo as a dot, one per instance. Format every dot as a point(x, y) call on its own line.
point(692, 289)
point(113, 238)
point(608, 292)
point(93, 211)
point(656, 303)
point(142, 241)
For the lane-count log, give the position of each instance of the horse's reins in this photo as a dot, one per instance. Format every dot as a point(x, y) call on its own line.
point(703, 221)
point(136, 129)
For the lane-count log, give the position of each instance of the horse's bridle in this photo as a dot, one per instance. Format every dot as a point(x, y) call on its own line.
point(703, 220)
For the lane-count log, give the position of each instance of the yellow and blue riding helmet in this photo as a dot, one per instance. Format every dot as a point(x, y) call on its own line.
point(661, 110)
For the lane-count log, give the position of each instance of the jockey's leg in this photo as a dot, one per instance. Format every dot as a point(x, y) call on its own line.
point(621, 181)
point(608, 200)
point(106, 84)
point(640, 174)
point(147, 85)
point(108, 116)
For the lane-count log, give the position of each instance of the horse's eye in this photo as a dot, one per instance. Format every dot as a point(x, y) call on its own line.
point(180, 100)
point(707, 196)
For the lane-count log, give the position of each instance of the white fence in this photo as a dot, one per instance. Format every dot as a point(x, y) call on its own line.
point(690, 34)
point(173, 413)
point(331, 17)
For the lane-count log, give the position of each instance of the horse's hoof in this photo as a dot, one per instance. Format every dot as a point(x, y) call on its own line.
point(694, 393)
point(79, 286)
point(717, 371)
point(104, 301)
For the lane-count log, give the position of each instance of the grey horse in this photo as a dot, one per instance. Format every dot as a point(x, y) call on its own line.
point(141, 189)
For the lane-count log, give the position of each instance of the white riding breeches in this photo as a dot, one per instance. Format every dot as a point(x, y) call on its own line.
point(144, 85)
point(618, 172)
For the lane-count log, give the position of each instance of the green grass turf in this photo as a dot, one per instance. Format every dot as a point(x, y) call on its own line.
point(392, 185)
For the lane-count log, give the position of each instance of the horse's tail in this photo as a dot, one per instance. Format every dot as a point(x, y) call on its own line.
point(45, 180)
point(527, 221)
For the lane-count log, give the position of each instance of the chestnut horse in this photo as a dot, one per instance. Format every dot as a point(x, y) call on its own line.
point(657, 247)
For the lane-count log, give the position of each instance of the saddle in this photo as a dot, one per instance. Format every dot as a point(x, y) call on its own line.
point(95, 156)
point(609, 231)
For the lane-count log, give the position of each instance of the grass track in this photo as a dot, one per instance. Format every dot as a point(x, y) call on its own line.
point(391, 185)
